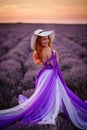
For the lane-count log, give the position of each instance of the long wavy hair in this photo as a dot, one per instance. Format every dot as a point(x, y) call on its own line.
point(37, 55)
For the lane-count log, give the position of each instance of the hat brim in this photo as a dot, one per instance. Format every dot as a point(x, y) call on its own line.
point(45, 33)
point(51, 34)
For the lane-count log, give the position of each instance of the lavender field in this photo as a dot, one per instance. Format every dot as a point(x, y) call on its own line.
point(18, 71)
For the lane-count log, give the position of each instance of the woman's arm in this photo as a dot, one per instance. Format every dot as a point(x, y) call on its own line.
point(56, 54)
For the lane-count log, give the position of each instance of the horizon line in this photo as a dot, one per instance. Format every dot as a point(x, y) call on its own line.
point(42, 23)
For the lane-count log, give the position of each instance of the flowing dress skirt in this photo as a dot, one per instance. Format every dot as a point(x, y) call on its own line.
point(51, 97)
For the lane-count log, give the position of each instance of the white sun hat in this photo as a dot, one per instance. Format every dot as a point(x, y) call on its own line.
point(41, 32)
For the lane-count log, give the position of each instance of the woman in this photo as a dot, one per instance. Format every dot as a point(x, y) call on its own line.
point(51, 95)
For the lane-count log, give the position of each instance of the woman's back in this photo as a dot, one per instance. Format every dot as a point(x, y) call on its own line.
point(46, 53)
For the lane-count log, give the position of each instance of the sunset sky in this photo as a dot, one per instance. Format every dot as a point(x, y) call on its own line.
point(43, 11)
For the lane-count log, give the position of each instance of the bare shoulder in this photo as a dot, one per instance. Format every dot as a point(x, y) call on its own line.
point(46, 51)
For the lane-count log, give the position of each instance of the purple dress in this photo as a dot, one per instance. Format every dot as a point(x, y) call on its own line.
point(51, 97)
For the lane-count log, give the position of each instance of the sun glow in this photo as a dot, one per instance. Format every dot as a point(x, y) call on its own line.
point(51, 11)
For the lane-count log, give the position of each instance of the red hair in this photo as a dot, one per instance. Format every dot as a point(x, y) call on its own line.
point(37, 55)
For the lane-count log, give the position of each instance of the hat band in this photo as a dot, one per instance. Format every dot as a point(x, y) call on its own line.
point(40, 32)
